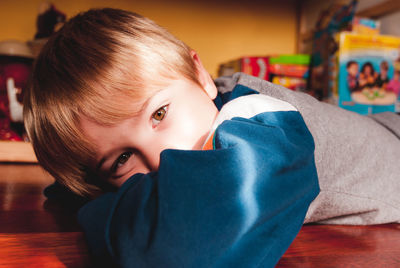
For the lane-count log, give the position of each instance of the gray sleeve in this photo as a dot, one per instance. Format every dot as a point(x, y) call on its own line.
point(357, 158)
point(388, 120)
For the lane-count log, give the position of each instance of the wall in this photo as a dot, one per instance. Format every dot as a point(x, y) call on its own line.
point(218, 30)
point(390, 24)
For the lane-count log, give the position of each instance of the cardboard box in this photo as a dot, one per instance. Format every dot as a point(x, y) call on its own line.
point(367, 81)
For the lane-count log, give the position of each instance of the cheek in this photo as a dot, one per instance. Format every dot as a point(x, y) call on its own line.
point(184, 132)
point(187, 129)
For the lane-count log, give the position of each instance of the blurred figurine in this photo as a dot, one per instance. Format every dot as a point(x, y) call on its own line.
point(49, 20)
point(15, 67)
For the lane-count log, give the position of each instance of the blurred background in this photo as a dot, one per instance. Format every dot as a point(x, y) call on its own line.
point(217, 30)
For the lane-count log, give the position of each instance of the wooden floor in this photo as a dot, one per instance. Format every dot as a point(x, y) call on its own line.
point(37, 233)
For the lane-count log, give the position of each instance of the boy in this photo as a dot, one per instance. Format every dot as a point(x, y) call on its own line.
point(117, 100)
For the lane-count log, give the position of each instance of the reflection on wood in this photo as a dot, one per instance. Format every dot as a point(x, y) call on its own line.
point(345, 246)
point(44, 249)
point(35, 232)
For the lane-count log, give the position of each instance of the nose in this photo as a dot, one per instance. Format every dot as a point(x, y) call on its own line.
point(151, 157)
point(153, 163)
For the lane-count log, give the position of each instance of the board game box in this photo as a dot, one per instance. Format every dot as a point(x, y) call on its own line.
point(256, 66)
point(368, 81)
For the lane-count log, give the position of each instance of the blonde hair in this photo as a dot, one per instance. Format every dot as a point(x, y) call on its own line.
point(103, 64)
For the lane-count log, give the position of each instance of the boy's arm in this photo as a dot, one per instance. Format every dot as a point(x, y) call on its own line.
point(240, 205)
point(357, 157)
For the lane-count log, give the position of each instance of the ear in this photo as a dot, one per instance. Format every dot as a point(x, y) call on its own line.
point(204, 77)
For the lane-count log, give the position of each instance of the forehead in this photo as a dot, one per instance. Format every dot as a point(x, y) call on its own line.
point(116, 108)
point(110, 107)
point(96, 132)
point(105, 118)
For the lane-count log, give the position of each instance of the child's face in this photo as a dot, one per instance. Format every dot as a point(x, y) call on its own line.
point(368, 70)
point(353, 69)
point(179, 116)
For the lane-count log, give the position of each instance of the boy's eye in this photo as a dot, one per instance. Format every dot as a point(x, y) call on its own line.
point(159, 115)
point(122, 159)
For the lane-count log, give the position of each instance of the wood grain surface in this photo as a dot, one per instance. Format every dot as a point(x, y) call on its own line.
point(345, 246)
point(34, 233)
point(37, 233)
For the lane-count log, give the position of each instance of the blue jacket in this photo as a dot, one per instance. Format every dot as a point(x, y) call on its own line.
point(240, 204)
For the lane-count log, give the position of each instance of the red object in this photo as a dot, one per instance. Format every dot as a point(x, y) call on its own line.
point(6, 132)
point(256, 66)
point(18, 70)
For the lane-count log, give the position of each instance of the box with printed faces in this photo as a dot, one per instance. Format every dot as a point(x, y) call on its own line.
point(368, 80)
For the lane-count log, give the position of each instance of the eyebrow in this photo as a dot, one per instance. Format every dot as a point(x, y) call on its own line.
point(148, 100)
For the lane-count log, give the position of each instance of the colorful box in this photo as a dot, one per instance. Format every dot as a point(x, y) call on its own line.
point(365, 26)
point(293, 83)
point(368, 81)
point(297, 59)
point(300, 71)
point(256, 66)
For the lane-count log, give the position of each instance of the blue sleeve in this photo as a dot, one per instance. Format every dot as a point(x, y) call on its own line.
point(240, 205)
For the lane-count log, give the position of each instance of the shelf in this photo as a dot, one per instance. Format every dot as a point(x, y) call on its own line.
point(380, 10)
point(17, 151)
